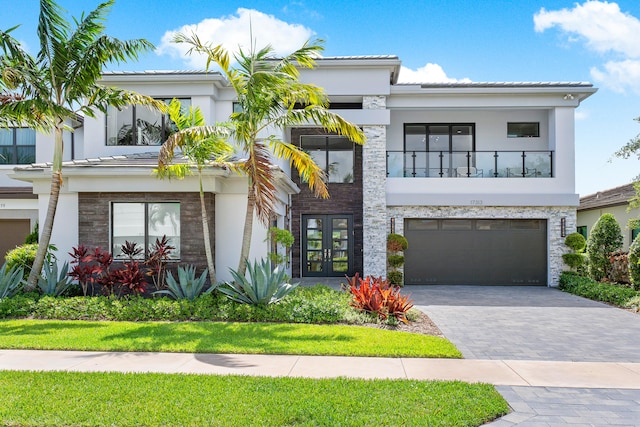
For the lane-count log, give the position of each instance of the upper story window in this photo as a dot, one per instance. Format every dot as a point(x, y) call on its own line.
point(17, 146)
point(334, 154)
point(523, 130)
point(140, 125)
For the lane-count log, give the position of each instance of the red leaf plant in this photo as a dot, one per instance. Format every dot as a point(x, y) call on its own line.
point(377, 296)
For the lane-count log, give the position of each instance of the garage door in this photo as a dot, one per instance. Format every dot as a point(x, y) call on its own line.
point(12, 234)
point(476, 252)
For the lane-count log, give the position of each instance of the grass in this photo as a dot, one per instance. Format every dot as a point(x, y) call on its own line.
point(107, 399)
point(221, 337)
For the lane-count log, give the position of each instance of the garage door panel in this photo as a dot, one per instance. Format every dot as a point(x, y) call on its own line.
point(500, 252)
point(12, 233)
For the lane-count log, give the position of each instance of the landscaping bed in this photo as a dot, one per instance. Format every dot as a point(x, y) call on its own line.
point(611, 293)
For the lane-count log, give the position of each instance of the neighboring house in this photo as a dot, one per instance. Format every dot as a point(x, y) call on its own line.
point(614, 201)
point(478, 176)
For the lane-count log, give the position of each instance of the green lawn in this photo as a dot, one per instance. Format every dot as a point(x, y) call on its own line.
point(110, 399)
point(220, 337)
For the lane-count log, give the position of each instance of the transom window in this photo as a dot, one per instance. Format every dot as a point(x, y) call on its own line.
point(142, 223)
point(523, 130)
point(17, 146)
point(140, 125)
point(334, 154)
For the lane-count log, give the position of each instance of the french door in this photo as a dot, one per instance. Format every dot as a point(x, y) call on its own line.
point(327, 245)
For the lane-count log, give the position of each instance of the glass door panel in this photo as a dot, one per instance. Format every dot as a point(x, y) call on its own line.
point(327, 245)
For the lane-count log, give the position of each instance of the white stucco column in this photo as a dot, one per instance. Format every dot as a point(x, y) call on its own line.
point(374, 205)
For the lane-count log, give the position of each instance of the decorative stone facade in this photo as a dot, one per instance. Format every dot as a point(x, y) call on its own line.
point(345, 198)
point(374, 175)
point(553, 215)
point(94, 220)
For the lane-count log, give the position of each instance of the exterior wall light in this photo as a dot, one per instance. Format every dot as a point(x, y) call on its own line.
point(563, 227)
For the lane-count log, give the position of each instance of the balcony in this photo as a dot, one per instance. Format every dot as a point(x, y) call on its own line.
point(470, 164)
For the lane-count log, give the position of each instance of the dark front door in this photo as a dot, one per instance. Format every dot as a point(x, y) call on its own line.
point(327, 245)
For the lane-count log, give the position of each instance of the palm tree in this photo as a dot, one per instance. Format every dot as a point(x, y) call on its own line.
point(269, 94)
point(201, 146)
point(60, 83)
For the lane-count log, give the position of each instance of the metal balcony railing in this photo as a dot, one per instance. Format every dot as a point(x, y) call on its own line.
point(470, 164)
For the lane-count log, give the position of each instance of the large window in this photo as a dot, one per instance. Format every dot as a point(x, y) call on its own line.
point(334, 154)
point(143, 223)
point(17, 146)
point(140, 125)
point(439, 149)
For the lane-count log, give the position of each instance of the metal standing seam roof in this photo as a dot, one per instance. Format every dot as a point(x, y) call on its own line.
point(146, 159)
point(613, 197)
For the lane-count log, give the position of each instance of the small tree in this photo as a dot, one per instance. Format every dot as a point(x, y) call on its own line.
point(396, 245)
point(605, 239)
point(576, 258)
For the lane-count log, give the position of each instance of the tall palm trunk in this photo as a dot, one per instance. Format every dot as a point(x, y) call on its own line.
point(207, 239)
point(248, 230)
point(47, 229)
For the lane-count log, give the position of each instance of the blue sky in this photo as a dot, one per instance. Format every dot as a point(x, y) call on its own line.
point(488, 40)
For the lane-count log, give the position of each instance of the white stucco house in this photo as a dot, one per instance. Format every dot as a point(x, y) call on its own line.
point(478, 176)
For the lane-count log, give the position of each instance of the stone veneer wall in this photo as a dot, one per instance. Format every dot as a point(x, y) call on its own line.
point(94, 220)
point(374, 176)
point(556, 246)
point(344, 199)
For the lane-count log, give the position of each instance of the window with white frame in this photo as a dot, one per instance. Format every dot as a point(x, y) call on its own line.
point(140, 125)
point(142, 223)
point(17, 146)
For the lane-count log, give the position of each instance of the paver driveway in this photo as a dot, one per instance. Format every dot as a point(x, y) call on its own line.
point(530, 323)
point(539, 323)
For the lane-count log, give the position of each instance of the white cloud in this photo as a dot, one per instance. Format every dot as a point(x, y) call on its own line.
point(430, 73)
point(605, 29)
point(234, 31)
point(602, 25)
point(619, 75)
point(581, 114)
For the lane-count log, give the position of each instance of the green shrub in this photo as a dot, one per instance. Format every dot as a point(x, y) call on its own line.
point(634, 263)
point(314, 304)
point(395, 261)
point(576, 242)
point(396, 278)
point(606, 292)
point(20, 305)
point(573, 261)
point(22, 256)
point(396, 242)
point(265, 286)
point(605, 239)
point(33, 236)
point(619, 271)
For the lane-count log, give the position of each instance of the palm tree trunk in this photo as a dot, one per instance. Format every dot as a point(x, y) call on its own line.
point(248, 230)
point(207, 240)
point(47, 229)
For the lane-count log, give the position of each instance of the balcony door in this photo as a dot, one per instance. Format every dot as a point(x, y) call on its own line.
point(327, 245)
point(438, 150)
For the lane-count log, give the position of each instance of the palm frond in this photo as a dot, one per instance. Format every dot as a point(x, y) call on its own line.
point(308, 170)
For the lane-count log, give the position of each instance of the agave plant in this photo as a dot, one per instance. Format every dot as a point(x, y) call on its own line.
point(52, 283)
point(187, 286)
point(265, 286)
point(11, 280)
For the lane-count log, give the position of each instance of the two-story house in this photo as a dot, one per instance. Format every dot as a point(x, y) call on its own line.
point(478, 176)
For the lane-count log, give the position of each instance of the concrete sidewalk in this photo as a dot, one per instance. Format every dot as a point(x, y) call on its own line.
point(498, 372)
